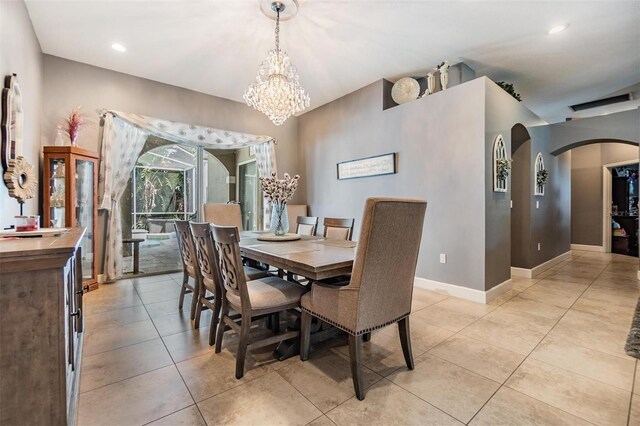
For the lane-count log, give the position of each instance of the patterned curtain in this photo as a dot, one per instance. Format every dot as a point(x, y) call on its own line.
point(266, 163)
point(182, 132)
point(121, 147)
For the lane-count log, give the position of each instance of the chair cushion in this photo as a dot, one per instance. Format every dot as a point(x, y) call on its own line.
point(270, 292)
point(254, 273)
point(337, 233)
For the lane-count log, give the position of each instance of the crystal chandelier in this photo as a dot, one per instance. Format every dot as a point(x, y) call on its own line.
point(277, 92)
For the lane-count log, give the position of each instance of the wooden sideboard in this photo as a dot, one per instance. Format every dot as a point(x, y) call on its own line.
point(40, 329)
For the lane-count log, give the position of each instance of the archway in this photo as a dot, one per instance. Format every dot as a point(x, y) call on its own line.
point(520, 196)
point(585, 142)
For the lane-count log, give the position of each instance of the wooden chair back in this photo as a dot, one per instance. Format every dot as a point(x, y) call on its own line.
point(186, 247)
point(295, 210)
point(226, 241)
point(306, 225)
point(338, 228)
point(223, 214)
point(207, 257)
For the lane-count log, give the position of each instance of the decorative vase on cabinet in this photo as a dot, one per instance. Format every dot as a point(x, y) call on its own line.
point(71, 199)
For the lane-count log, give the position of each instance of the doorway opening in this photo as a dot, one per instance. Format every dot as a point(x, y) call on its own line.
point(620, 208)
point(521, 188)
point(171, 181)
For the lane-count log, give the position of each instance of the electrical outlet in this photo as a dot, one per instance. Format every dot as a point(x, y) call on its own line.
point(539, 246)
point(511, 203)
point(443, 258)
point(537, 204)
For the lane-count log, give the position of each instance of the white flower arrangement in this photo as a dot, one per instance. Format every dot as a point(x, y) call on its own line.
point(279, 190)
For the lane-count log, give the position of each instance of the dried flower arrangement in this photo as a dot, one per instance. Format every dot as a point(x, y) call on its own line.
point(72, 124)
point(279, 190)
point(542, 176)
point(503, 165)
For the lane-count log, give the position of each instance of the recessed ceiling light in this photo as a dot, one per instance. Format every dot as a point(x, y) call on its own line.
point(118, 47)
point(558, 28)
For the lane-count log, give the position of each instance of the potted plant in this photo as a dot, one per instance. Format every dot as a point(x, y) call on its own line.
point(503, 165)
point(278, 192)
point(541, 177)
point(508, 87)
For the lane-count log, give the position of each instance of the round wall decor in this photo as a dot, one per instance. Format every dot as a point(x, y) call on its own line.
point(405, 90)
point(11, 123)
point(20, 178)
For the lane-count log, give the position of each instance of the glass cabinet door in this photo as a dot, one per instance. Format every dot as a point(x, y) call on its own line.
point(84, 213)
point(57, 193)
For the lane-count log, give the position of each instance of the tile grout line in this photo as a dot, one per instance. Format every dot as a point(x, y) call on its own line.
point(633, 388)
point(172, 360)
point(533, 350)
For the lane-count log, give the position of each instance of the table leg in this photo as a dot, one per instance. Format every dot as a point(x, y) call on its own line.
point(136, 257)
point(320, 331)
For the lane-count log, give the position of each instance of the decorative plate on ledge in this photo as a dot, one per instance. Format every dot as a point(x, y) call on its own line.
point(274, 237)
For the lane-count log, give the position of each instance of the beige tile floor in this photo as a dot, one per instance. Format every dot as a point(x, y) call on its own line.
point(551, 351)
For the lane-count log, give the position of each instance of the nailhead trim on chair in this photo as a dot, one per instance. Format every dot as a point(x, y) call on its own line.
point(343, 328)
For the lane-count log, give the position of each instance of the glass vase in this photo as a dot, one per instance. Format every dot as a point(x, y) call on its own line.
point(279, 218)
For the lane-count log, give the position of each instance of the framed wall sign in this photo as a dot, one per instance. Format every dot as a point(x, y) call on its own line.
point(365, 167)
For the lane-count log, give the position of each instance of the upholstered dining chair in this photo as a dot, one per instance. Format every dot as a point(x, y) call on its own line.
point(379, 293)
point(190, 268)
point(223, 214)
point(338, 228)
point(210, 274)
point(306, 225)
point(255, 298)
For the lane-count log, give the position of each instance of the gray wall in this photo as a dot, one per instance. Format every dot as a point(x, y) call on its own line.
point(550, 223)
point(586, 187)
point(20, 53)
point(622, 126)
point(521, 196)
point(68, 84)
point(440, 143)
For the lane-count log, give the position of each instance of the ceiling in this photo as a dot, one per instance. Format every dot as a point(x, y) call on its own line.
point(339, 46)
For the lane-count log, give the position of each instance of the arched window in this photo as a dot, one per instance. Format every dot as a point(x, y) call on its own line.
point(501, 165)
point(539, 176)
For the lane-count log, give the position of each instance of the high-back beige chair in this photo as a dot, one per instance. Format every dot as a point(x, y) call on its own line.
point(381, 286)
point(338, 228)
point(252, 299)
point(223, 214)
point(190, 266)
point(293, 211)
point(306, 225)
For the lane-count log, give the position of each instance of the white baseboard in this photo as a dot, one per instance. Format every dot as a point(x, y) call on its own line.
point(471, 294)
point(532, 273)
point(585, 247)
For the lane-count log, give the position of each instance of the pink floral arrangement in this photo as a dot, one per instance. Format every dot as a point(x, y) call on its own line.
point(72, 124)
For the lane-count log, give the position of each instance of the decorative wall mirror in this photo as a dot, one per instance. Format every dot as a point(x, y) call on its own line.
point(12, 120)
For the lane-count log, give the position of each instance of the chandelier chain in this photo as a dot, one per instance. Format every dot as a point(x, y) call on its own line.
point(277, 28)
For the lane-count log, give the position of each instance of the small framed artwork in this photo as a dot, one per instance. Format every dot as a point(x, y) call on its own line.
point(370, 166)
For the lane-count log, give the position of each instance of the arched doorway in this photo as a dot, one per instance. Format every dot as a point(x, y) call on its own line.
point(521, 185)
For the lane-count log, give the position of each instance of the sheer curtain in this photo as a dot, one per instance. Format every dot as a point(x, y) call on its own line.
point(121, 146)
point(123, 139)
point(266, 163)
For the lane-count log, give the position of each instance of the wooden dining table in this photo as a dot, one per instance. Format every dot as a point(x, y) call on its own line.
point(315, 258)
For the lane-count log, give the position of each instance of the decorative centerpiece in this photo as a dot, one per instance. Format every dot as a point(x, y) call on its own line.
point(21, 180)
point(278, 192)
